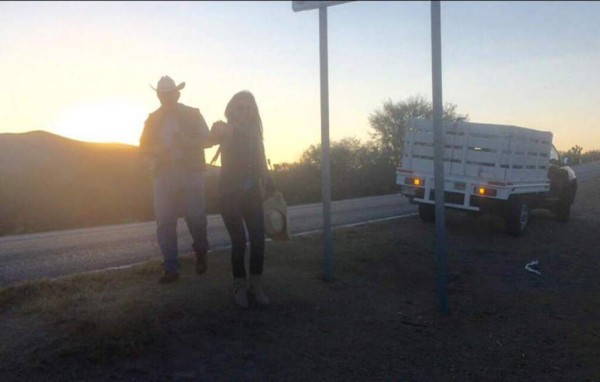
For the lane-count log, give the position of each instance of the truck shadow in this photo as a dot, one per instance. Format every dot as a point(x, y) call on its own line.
point(463, 223)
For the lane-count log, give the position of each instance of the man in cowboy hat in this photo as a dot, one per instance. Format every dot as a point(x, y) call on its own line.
point(173, 141)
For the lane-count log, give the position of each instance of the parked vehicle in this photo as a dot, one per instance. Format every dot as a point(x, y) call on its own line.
point(499, 169)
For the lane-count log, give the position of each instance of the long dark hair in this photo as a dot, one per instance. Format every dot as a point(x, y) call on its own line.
point(232, 108)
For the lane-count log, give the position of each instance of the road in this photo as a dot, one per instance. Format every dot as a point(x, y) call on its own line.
point(53, 254)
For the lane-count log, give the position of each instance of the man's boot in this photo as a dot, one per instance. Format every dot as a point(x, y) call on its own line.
point(256, 291)
point(240, 290)
point(168, 277)
point(201, 263)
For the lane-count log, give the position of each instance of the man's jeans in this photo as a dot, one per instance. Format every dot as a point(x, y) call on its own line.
point(175, 189)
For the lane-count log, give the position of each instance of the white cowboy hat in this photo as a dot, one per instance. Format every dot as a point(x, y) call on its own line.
point(166, 85)
point(276, 219)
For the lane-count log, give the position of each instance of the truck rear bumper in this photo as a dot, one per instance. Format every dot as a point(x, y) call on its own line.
point(451, 199)
point(464, 193)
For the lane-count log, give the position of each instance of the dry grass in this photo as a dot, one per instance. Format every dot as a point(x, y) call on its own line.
point(103, 317)
point(377, 321)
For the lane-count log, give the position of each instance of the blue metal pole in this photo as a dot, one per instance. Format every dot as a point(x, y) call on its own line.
point(325, 162)
point(438, 159)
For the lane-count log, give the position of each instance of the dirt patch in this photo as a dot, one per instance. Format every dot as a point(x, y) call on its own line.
point(378, 320)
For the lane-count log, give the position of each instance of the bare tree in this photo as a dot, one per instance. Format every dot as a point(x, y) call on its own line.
point(391, 122)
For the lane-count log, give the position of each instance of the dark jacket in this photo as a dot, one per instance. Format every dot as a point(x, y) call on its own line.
point(243, 163)
point(194, 130)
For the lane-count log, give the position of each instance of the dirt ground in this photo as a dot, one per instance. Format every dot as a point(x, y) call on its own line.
point(378, 321)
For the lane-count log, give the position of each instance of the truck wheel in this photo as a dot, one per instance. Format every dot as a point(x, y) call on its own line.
point(563, 212)
point(473, 214)
point(427, 212)
point(563, 208)
point(518, 218)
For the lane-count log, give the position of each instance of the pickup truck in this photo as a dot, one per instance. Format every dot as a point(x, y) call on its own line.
point(504, 170)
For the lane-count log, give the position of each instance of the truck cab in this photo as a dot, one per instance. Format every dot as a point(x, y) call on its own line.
point(563, 186)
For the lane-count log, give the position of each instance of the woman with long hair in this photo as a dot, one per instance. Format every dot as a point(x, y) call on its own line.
point(243, 184)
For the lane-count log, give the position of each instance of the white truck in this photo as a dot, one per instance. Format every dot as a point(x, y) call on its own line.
point(505, 170)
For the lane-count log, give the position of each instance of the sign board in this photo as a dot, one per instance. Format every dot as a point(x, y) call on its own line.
point(298, 6)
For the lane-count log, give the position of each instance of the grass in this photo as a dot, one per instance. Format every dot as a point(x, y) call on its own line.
point(378, 320)
point(99, 315)
point(103, 317)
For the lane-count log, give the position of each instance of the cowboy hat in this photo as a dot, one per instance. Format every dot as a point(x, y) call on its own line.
point(166, 84)
point(276, 219)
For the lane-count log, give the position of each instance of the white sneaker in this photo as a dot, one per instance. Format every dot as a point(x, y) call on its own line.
point(256, 291)
point(240, 292)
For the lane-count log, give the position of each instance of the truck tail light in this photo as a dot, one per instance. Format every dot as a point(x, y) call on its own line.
point(418, 182)
point(485, 191)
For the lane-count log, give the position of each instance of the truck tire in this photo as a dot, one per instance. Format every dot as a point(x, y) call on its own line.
point(563, 212)
point(427, 212)
point(518, 217)
point(563, 208)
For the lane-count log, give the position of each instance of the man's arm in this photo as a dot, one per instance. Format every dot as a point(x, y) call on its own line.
point(151, 152)
point(144, 149)
point(208, 140)
point(203, 138)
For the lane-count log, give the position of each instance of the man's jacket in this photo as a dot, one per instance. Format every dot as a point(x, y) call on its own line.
point(194, 132)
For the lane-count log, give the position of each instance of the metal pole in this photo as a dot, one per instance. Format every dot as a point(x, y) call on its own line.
point(325, 165)
point(438, 159)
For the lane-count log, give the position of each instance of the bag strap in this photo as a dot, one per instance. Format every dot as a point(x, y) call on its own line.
point(216, 156)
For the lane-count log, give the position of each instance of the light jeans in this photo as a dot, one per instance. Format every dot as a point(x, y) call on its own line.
point(177, 192)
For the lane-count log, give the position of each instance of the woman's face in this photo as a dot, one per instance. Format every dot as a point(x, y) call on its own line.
point(244, 111)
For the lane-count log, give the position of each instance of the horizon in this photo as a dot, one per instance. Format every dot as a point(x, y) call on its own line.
point(135, 146)
point(530, 64)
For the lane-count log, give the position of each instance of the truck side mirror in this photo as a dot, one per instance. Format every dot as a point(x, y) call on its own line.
point(566, 160)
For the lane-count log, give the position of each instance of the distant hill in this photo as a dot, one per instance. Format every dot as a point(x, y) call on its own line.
point(22, 152)
point(48, 182)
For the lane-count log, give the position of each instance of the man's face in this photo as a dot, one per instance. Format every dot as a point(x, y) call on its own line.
point(168, 99)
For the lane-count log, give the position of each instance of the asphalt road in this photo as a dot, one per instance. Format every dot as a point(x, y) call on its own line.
point(53, 254)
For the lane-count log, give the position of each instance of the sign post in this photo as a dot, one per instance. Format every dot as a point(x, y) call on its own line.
point(298, 6)
point(438, 154)
point(325, 162)
point(438, 140)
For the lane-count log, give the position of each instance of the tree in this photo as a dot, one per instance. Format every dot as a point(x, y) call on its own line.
point(577, 156)
point(590, 156)
point(357, 169)
point(574, 154)
point(391, 121)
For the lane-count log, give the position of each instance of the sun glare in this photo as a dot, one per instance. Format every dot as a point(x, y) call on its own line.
point(102, 121)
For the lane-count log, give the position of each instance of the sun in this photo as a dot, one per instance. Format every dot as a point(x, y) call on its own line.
point(110, 121)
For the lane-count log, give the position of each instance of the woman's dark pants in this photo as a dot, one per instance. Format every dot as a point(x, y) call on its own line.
point(236, 209)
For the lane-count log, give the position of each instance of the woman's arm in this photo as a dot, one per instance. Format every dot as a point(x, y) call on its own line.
point(266, 176)
point(263, 161)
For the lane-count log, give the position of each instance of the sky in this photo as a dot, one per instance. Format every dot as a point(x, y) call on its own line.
point(83, 69)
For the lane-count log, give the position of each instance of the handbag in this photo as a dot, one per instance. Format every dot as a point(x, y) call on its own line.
point(277, 225)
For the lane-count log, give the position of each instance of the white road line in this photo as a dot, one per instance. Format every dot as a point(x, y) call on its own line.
point(221, 247)
point(358, 224)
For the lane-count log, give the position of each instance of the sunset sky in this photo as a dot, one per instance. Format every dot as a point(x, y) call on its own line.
point(82, 70)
